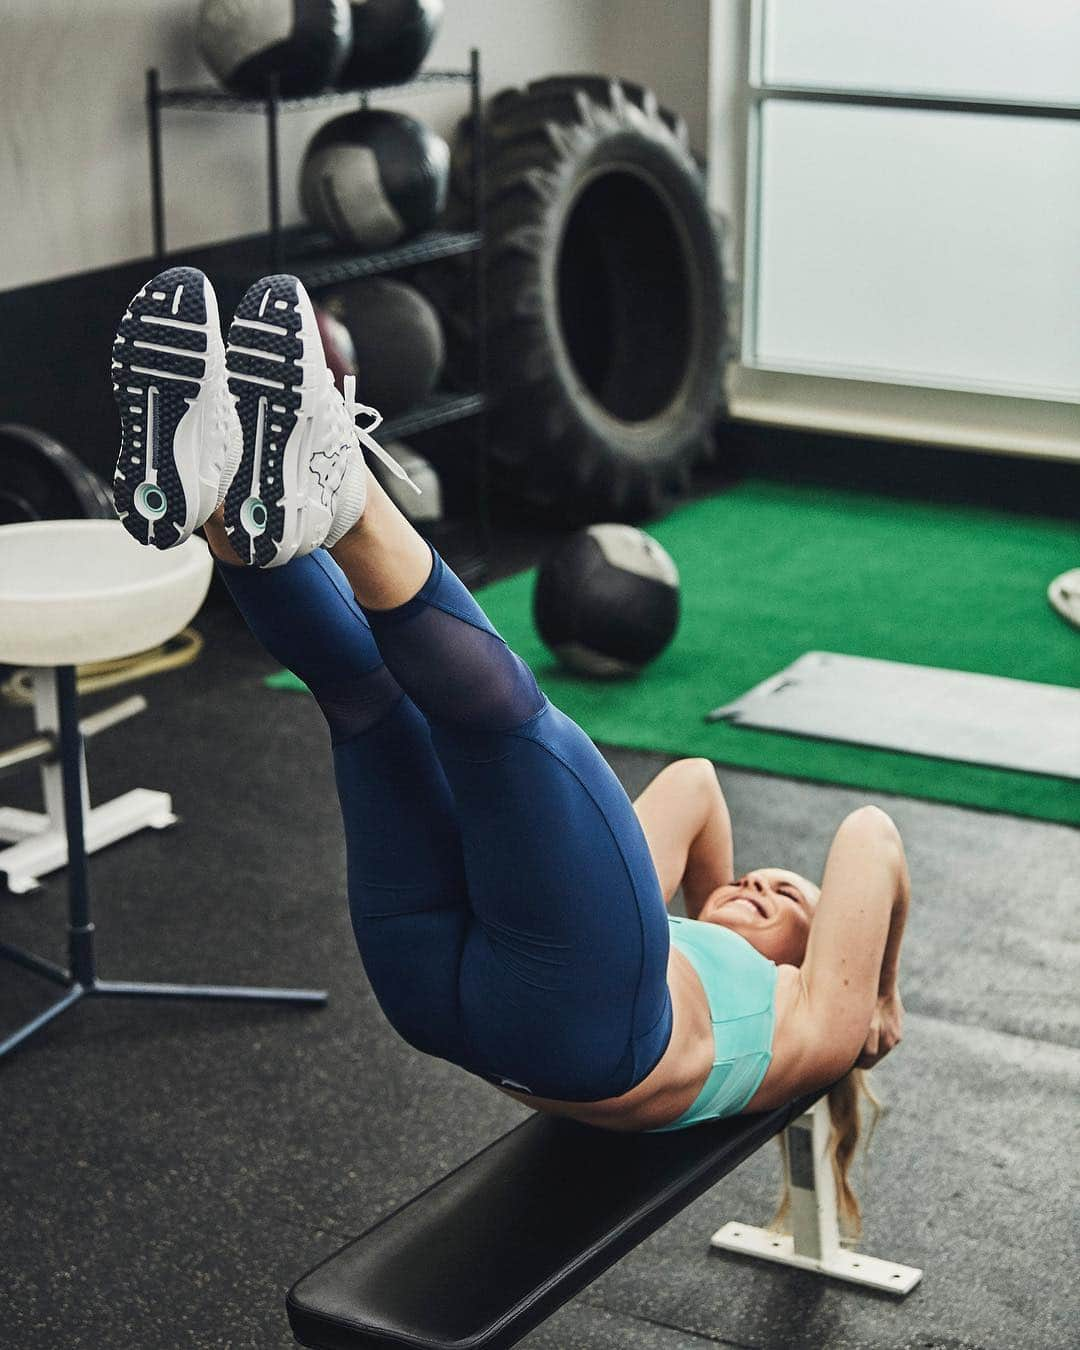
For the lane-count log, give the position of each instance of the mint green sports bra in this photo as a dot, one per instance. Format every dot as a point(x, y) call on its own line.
point(740, 985)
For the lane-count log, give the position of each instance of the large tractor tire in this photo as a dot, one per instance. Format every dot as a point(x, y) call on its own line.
point(606, 333)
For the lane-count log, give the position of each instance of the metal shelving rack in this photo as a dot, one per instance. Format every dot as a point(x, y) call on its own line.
point(321, 262)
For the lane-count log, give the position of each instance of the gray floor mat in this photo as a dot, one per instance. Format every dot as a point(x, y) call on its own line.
point(921, 710)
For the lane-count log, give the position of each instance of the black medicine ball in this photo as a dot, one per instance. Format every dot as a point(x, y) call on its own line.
point(390, 40)
point(607, 600)
point(305, 42)
point(397, 340)
point(374, 178)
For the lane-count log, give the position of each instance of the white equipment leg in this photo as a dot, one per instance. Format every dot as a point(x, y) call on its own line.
point(814, 1241)
point(39, 839)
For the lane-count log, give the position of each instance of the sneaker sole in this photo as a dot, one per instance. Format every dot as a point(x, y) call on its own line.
point(282, 499)
point(266, 372)
point(159, 359)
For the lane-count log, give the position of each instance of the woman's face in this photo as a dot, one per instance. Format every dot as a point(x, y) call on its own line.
point(771, 908)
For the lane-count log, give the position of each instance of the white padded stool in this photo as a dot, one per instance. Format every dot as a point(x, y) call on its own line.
point(74, 591)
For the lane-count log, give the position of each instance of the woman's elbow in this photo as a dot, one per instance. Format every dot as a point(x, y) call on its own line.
point(701, 774)
point(872, 818)
point(878, 830)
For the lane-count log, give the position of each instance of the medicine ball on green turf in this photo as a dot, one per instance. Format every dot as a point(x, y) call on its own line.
point(305, 42)
point(374, 178)
point(607, 600)
point(397, 340)
point(390, 40)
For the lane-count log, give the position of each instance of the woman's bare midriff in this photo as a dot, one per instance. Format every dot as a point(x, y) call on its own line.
point(672, 1086)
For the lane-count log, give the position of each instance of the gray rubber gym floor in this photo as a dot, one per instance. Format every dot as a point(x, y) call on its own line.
point(169, 1170)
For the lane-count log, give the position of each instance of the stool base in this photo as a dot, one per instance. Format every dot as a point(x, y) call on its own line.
point(79, 979)
point(127, 989)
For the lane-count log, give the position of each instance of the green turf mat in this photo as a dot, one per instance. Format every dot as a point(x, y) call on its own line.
point(770, 572)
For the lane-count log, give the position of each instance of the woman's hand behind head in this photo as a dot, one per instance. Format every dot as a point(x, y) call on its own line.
point(886, 1030)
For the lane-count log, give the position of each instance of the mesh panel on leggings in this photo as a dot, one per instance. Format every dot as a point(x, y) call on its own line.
point(451, 662)
point(367, 701)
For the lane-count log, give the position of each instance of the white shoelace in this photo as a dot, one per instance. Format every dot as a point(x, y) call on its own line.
point(353, 411)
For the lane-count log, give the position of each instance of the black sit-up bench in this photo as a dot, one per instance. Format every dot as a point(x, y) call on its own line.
point(486, 1254)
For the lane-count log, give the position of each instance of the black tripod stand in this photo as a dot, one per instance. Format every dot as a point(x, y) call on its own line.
point(81, 981)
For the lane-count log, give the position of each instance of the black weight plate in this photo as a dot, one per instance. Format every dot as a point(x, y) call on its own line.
point(41, 480)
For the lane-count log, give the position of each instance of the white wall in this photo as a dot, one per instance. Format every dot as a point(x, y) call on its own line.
point(74, 175)
point(664, 46)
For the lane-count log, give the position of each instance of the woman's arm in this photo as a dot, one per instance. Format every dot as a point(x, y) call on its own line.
point(688, 830)
point(852, 1011)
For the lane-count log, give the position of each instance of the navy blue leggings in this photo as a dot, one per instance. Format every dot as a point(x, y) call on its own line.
point(502, 894)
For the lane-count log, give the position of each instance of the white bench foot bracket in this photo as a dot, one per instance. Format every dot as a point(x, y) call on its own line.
point(814, 1241)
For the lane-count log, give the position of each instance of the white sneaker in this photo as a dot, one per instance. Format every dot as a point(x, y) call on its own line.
point(180, 442)
point(302, 481)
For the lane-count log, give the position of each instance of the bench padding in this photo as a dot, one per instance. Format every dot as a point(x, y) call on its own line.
point(495, 1247)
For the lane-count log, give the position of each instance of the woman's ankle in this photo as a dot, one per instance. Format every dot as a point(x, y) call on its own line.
point(217, 539)
point(384, 558)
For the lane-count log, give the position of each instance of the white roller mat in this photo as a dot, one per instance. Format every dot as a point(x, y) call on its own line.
point(921, 710)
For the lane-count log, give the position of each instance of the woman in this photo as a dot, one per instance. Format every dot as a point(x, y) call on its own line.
point(507, 899)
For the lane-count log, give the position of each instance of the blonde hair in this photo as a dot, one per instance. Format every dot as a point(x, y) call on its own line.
point(846, 1116)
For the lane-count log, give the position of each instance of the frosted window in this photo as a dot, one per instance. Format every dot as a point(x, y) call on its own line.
point(922, 247)
point(1025, 50)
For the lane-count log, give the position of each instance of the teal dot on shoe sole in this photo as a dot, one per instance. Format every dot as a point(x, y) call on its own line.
point(150, 501)
point(253, 516)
